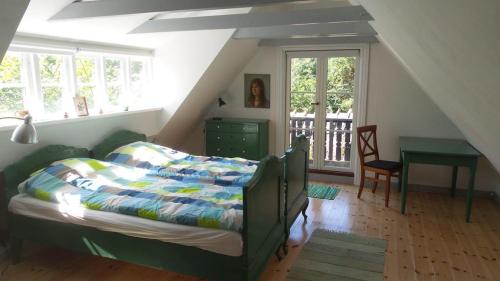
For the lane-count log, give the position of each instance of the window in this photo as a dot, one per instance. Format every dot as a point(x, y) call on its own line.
point(53, 84)
point(114, 78)
point(45, 83)
point(12, 84)
point(86, 80)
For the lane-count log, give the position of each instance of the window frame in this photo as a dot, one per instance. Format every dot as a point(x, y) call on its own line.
point(33, 97)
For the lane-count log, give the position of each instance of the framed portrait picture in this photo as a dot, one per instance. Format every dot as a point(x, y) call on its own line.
point(81, 106)
point(257, 90)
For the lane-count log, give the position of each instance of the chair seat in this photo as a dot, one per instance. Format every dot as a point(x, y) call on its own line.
point(384, 165)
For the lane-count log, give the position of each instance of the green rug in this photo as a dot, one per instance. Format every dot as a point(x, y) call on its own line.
point(339, 256)
point(322, 191)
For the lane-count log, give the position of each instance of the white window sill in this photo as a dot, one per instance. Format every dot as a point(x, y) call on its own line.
point(38, 124)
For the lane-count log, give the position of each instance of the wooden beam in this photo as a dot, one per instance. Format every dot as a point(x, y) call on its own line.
point(318, 41)
point(339, 14)
point(307, 30)
point(103, 8)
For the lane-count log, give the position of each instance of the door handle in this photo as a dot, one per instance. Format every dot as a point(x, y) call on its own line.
point(314, 103)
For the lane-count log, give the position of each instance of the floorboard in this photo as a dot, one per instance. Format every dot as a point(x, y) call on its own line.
point(431, 243)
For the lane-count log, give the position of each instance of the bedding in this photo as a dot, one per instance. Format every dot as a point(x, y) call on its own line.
point(219, 241)
point(105, 186)
point(168, 163)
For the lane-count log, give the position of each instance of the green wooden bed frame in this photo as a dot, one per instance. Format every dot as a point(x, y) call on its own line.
point(266, 208)
point(295, 169)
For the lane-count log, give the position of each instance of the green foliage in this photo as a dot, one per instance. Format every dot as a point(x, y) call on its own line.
point(85, 68)
point(10, 69)
point(52, 99)
point(11, 100)
point(340, 84)
point(50, 68)
point(112, 69)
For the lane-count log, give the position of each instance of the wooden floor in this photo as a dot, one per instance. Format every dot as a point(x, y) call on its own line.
point(432, 242)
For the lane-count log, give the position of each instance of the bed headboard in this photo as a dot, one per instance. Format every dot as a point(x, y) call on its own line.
point(17, 172)
point(114, 141)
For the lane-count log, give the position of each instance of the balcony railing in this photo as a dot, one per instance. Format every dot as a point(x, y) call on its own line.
point(338, 135)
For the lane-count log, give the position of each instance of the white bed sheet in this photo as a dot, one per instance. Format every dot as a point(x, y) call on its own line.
point(224, 242)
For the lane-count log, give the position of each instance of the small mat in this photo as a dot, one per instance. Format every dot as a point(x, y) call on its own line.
point(340, 257)
point(322, 191)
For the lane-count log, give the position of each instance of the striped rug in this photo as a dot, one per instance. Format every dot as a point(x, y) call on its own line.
point(322, 191)
point(339, 257)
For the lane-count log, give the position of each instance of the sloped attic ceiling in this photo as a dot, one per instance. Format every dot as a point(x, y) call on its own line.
point(451, 48)
point(11, 13)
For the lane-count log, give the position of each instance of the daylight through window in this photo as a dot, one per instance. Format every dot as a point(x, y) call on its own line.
point(45, 83)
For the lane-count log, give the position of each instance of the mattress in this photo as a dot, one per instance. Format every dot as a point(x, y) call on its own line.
point(219, 241)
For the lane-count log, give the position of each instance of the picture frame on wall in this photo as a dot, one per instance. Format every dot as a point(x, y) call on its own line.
point(257, 90)
point(81, 106)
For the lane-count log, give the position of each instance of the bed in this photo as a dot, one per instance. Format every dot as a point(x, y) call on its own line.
point(267, 216)
point(294, 162)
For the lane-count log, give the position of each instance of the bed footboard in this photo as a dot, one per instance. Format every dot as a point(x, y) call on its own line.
point(263, 216)
point(296, 165)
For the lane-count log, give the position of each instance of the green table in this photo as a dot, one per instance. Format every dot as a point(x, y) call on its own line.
point(447, 152)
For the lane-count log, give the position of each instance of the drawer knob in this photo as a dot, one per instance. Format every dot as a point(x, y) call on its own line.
point(218, 149)
point(244, 139)
point(218, 126)
point(218, 138)
point(244, 151)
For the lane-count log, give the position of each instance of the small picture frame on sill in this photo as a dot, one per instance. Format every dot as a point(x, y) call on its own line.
point(81, 106)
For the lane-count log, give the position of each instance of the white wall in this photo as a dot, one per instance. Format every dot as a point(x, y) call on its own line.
point(395, 103)
point(11, 13)
point(450, 48)
point(191, 71)
point(80, 133)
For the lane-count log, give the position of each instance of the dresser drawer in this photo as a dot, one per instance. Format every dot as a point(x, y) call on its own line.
point(245, 139)
point(218, 127)
point(236, 137)
point(219, 137)
point(244, 128)
point(218, 150)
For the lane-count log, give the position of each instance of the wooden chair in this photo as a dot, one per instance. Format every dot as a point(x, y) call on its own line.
point(367, 147)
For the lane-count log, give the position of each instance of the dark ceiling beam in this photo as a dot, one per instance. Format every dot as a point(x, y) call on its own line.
point(104, 8)
point(326, 15)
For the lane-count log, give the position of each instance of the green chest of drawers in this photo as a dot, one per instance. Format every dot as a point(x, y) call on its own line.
point(245, 138)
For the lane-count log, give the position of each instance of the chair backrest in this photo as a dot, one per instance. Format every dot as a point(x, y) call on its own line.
point(367, 143)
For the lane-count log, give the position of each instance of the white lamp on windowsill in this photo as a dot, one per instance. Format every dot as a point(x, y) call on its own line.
point(24, 133)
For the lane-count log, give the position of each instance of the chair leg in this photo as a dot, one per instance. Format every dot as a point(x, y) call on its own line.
point(376, 182)
point(387, 189)
point(362, 183)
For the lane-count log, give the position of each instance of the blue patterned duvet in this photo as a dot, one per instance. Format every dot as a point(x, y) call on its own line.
point(180, 197)
point(168, 163)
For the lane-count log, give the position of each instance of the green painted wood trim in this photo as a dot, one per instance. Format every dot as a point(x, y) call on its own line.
point(296, 166)
point(114, 141)
point(147, 252)
point(437, 146)
point(18, 172)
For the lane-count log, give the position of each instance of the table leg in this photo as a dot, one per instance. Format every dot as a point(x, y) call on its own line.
point(404, 186)
point(470, 191)
point(400, 176)
point(454, 181)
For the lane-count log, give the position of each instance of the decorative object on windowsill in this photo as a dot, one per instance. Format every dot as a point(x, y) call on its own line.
point(257, 90)
point(101, 111)
point(24, 133)
point(126, 108)
point(81, 106)
point(22, 113)
point(66, 115)
point(221, 102)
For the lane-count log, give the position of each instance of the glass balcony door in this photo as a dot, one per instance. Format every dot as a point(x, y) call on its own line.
point(321, 90)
